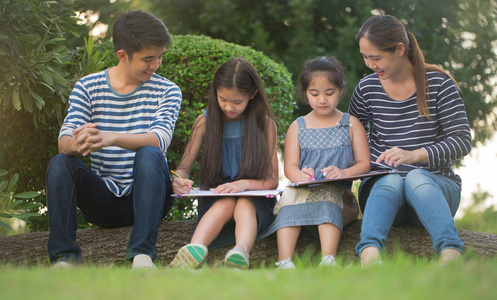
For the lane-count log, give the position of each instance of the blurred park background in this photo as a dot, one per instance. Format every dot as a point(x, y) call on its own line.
point(45, 46)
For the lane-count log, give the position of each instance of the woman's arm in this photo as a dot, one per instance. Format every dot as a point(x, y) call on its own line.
point(452, 118)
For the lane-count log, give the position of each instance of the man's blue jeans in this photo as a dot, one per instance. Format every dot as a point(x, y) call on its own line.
point(71, 183)
point(421, 198)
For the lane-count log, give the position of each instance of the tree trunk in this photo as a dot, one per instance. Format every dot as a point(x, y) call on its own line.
point(101, 246)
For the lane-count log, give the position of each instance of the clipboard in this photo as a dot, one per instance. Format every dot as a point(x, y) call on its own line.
point(348, 178)
point(208, 193)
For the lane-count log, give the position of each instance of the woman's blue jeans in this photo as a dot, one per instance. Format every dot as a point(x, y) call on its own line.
point(71, 183)
point(421, 198)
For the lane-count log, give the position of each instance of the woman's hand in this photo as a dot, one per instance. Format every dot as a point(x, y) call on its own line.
point(396, 157)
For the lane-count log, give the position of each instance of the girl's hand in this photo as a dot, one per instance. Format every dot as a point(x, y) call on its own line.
point(307, 174)
point(231, 187)
point(396, 156)
point(333, 172)
point(182, 187)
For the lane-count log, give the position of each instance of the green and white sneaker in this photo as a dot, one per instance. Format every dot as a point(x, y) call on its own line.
point(236, 258)
point(189, 256)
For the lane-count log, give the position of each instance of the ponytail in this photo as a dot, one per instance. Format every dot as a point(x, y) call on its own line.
point(417, 58)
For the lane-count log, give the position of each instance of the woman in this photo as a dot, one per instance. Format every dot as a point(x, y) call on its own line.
point(419, 126)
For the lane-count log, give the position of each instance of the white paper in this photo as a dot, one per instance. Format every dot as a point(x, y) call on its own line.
point(205, 193)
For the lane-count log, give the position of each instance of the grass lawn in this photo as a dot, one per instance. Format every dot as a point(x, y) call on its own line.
point(399, 277)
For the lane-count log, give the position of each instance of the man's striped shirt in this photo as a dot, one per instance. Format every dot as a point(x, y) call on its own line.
point(445, 136)
point(152, 107)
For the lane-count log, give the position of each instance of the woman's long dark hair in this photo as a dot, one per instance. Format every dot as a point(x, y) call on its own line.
point(256, 159)
point(385, 32)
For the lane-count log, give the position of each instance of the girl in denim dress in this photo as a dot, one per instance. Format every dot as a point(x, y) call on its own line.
point(323, 144)
point(238, 136)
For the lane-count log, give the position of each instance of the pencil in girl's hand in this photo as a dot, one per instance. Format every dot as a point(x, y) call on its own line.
point(312, 177)
point(174, 173)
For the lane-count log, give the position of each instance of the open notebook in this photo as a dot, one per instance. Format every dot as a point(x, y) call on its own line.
point(273, 193)
point(207, 193)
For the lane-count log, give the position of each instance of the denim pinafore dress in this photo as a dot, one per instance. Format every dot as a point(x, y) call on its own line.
point(319, 148)
point(231, 157)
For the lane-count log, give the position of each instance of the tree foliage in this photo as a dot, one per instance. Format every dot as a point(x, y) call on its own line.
point(34, 58)
point(459, 35)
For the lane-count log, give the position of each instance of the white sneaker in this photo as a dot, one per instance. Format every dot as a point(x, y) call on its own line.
point(328, 261)
point(143, 261)
point(62, 265)
point(285, 264)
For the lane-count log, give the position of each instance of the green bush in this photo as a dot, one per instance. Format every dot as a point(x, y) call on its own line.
point(15, 205)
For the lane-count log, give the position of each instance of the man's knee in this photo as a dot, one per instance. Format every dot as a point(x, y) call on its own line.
point(148, 150)
point(60, 165)
point(149, 158)
point(61, 159)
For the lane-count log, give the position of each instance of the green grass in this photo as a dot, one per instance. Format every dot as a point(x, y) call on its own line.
point(400, 277)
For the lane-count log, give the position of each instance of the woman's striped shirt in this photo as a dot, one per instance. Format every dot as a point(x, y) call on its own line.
point(445, 136)
point(152, 107)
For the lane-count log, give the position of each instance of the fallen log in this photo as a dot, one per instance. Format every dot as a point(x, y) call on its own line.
point(103, 246)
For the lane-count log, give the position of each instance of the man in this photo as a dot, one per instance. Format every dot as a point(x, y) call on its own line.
point(124, 117)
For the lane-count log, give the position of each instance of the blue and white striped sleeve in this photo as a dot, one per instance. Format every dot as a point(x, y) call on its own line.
point(166, 115)
point(451, 115)
point(79, 111)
